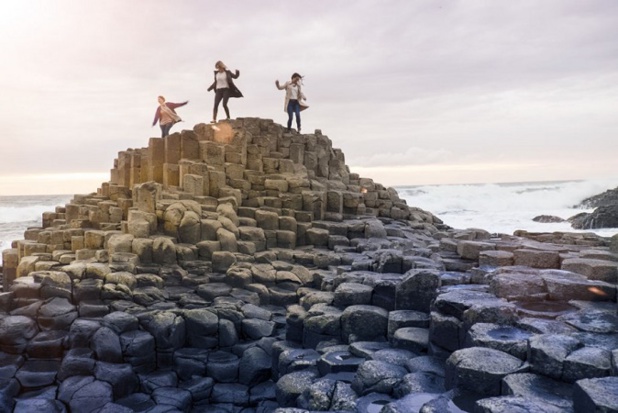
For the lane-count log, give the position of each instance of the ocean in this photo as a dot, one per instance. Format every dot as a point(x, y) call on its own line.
point(497, 208)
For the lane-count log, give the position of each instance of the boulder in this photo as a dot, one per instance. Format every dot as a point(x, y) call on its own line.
point(480, 370)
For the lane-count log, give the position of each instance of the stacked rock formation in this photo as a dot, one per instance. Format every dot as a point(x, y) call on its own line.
point(244, 269)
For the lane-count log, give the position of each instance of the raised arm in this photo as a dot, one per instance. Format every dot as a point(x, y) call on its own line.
point(177, 105)
point(235, 75)
point(279, 86)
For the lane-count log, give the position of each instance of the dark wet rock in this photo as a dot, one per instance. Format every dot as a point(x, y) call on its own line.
point(538, 388)
point(515, 404)
point(321, 323)
point(106, 345)
point(254, 328)
point(292, 385)
point(293, 359)
point(373, 402)
point(394, 356)
point(363, 322)
point(228, 333)
point(318, 395)
point(418, 290)
point(541, 326)
point(213, 290)
point(223, 366)
point(172, 396)
point(348, 294)
point(9, 364)
point(77, 362)
point(190, 362)
point(605, 216)
point(199, 387)
point(585, 363)
point(457, 301)
point(81, 332)
point(91, 397)
point(148, 296)
point(547, 353)
point(48, 344)
point(56, 314)
point(202, 326)
point(508, 339)
point(114, 408)
point(480, 369)
point(167, 328)
point(37, 373)
point(419, 382)
point(8, 390)
point(39, 405)
point(410, 403)
point(518, 285)
point(446, 331)
point(413, 339)
point(337, 362)
point(592, 321)
point(366, 349)
point(428, 364)
point(121, 377)
point(87, 290)
point(377, 376)
point(566, 285)
point(120, 322)
point(406, 318)
point(547, 219)
point(254, 366)
point(596, 395)
point(593, 269)
point(138, 349)
point(232, 393)
point(151, 381)
point(15, 333)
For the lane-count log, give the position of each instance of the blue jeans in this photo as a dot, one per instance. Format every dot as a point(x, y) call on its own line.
point(165, 129)
point(293, 107)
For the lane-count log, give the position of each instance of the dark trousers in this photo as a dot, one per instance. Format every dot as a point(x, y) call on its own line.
point(221, 94)
point(293, 107)
point(165, 129)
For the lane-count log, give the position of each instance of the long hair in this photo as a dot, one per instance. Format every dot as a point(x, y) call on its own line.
point(220, 64)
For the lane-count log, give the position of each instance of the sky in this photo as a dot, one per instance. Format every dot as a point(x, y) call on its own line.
point(414, 91)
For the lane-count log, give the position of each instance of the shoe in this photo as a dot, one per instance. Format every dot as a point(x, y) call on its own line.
point(298, 130)
point(288, 130)
point(213, 121)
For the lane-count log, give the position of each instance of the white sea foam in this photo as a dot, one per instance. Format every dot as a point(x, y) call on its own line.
point(504, 208)
point(17, 213)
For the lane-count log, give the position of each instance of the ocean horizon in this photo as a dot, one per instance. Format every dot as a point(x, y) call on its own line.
point(495, 207)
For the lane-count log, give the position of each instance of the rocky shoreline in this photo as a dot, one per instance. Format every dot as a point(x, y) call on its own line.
point(247, 270)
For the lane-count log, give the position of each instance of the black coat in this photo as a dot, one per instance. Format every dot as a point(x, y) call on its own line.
point(234, 92)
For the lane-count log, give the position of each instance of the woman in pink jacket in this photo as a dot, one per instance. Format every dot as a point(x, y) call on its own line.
point(166, 115)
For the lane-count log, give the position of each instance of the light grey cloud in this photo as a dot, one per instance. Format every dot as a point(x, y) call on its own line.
point(432, 81)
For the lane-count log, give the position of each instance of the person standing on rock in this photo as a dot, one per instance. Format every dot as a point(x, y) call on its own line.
point(224, 88)
point(294, 97)
point(166, 115)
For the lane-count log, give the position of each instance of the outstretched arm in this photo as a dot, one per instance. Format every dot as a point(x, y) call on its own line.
point(279, 86)
point(177, 105)
point(235, 75)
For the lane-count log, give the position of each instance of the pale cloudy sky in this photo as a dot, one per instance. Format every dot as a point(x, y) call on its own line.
point(413, 92)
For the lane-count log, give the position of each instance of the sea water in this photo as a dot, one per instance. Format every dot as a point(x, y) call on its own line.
point(497, 208)
point(17, 213)
point(505, 208)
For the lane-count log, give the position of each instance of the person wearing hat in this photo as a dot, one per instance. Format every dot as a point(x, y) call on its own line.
point(294, 97)
point(224, 88)
point(166, 115)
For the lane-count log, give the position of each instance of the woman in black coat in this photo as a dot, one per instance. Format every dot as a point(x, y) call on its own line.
point(224, 88)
